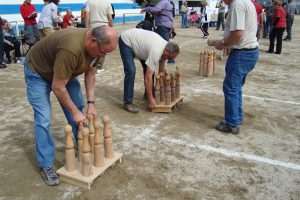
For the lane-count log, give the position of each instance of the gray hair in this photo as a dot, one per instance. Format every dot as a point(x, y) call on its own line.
point(173, 47)
point(101, 35)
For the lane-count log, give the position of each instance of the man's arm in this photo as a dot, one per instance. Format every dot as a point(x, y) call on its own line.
point(156, 9)
point(162, 63)
point(110, 20)
point(60, 90)
point(148, 85)
point(89, 81)
point(232, 38)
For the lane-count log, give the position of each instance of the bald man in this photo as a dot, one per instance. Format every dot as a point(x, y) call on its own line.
point(53, 65)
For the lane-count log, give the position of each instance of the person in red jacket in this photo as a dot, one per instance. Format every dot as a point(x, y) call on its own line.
point(279, 25)
point(29, 14)
point(259, 9)
point(68, 19)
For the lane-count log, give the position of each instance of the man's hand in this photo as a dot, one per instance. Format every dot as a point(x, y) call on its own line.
point(219, 45)
point(78, 117)
point(91, 110)
point(151, 103)
point(143, 10)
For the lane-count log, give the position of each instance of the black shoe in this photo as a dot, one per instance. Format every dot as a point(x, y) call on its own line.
point(49, 176)
point(269, 51)
point(2, 66)
point(227, 129)
point(278, 52)
point(286, 39)
point(130, 108)
point(8, 62)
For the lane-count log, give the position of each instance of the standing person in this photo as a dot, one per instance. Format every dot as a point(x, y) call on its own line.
point(269, 10)
point(48, 20)
point(240, 38)
point(290, 13)
point(278, 28)
point(221, 14)
point(98, 13)
point(148, 16)
point(68, 19)
point(53, 65)
point(204, 21)
point(259, 11)
point(150, 47)
point(29, 15)
point(2, 65)
point(184, 20)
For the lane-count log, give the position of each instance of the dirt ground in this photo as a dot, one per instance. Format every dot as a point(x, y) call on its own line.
point(177, 155)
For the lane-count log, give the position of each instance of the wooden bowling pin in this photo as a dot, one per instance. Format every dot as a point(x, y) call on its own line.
point(177, 89)
point(80, 129)
point(173, 86)
point(162, 87)
point(214, 62)
point(99, 146)
point(168, 90)
point(87, 167)
point(200, 73)
point(210, 64)
point(92, 132)
point(205, 60)
point(108, 143)
point(69, 149)
point(157, 90)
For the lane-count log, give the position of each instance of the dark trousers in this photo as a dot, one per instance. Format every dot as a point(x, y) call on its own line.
point(204, 28)
point(164, 32)
point(269, 26)
point(1, 46)
point(16, 48)
point(276, 33)
point(220, 21)
point(289, 24)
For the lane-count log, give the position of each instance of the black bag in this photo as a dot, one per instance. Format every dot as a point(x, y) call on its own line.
point(146, 25)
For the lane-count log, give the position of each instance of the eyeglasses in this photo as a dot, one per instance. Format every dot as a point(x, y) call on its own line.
point(101, 51)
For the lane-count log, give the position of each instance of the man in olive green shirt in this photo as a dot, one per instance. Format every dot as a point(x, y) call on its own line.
point(52, 65)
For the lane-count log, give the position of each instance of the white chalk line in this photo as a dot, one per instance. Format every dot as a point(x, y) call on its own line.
point(224, 152)
point(248, 96)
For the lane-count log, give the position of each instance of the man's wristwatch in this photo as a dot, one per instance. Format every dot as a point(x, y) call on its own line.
point(91, 102)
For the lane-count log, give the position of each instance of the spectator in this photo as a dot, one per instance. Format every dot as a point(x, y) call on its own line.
point(221, 12)
point(148, 16)
point(240, 37)
point(184, 20)
point(48, 20)
point(68, 19)
point(2, 65)
point(149, 47)
point(98, 13)
point(278, 28)
point(54, 64)
point(11, 43)
point(259, 11)
point(269, 10)
point(205, 19)
point(291, 10)
point(29, 15)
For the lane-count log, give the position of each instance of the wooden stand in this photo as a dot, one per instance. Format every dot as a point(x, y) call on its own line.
point(76, 178)
point(162, 108)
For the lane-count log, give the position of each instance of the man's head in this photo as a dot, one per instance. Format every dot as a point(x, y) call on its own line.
point(228, 2)
point(171, 51)
point(69, 11)
point(28, 2)
point(100, 41)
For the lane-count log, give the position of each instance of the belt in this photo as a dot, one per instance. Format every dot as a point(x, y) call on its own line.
point(244, 49)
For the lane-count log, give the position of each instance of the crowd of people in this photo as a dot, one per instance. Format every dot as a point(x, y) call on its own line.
point(53, 64)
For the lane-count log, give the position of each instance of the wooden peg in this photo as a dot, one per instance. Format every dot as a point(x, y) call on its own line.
point(210, 64)
point(80, 129)
point(99, 146)
point(177, 89)
point(157, 90)
point(173, 86)
point(214, 62)
point(162, 87)
point(87, 166)
point(69, 149)
point(205, 60)
point(168, 90)
point(92, 132)
point(200, 73)
point(108, 143)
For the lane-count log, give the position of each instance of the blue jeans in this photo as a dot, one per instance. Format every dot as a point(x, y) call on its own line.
point(239, 64)
point(184, 20)
point(269, 26)
point(164, 32)
point(1, 46)
point(32, 33)
point(127, 56)
point(38, 94)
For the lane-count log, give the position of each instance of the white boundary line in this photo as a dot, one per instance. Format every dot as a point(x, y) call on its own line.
point(225, 152)
point(248, 96)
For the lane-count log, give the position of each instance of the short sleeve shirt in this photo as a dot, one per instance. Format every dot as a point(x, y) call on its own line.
point(98, 10)
point(62, 53)
point(242, 16)
point(48, 16)
point(146, 45)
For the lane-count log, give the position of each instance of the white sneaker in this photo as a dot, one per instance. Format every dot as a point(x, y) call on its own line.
point(99, 70)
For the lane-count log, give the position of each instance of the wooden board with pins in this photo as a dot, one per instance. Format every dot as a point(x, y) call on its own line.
point(95, 154)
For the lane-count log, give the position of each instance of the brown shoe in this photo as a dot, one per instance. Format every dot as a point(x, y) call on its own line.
point(130, 108)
